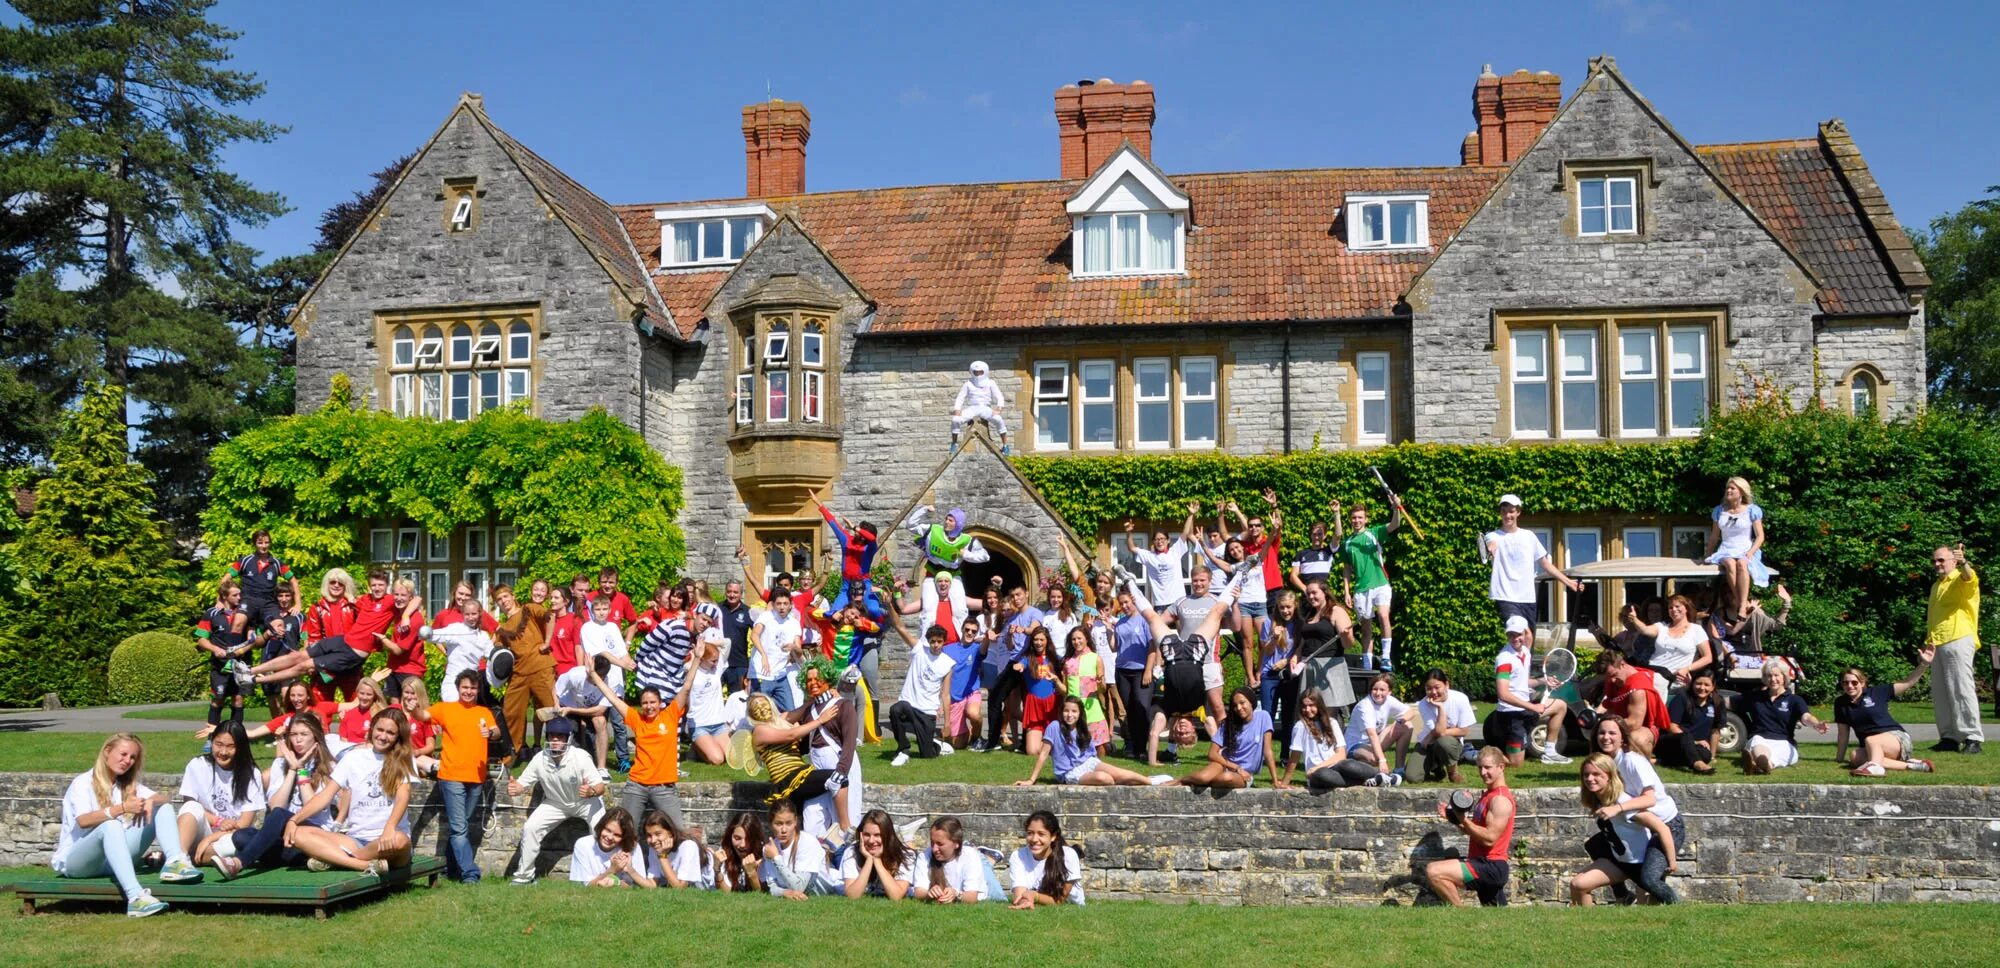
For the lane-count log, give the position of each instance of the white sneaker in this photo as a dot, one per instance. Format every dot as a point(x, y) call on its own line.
point(228, 866)
point(944, 749)
point(318, 866)
point(144, 905)
point(902, 759)
point(524, 878)
point(1553, 758)
point(1392, 779)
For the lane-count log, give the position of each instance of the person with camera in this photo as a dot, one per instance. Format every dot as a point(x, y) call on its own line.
point(1488, 823)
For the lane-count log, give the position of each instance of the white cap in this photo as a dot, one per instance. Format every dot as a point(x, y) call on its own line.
point(978, 366)
point(1514, 499)
point(1516, 625)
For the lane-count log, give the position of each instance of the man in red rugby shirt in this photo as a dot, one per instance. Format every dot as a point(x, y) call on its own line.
point(622, 613)
point(338, 658)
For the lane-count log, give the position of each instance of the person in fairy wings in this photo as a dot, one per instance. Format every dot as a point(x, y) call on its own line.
point(858, 545)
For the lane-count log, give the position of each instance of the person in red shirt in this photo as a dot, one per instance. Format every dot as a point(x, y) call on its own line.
point(454, 613)
point(1632, 694)
point(669, 602)
point(298, 698)
point(334, 612)
point(565, 630)
point(621, 606)
point(1489, 829)
point(337, 658)
point(402, 643)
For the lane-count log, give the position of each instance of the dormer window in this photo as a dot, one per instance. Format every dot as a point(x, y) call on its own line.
point(1128, 220)
point(1388, 222)
point(692, 238)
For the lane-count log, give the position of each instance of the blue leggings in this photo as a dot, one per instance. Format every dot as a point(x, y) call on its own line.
point(862, 589)
point(112, 848)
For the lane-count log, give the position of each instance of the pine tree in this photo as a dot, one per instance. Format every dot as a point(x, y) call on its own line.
point(94, 565)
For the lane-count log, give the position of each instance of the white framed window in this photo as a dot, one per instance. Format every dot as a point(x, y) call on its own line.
point(1579, 382)
point(746, 392)
point(1638, 381)
point(478, 544)
point(1388, 222)
point(1371, 392)
point(777, 395)
point(408, 543)
point(503, 543)
point(520, 341)
point(1152, 402)
point(812, 345)
point(1862, 391)
point(777, 343)
point(437, 546)
point(482, 586)
point(1581, 546)
point(461, 345)
point(710, 236)
point(487, 348)
point(461, 396)
point(402, 348)
point(1642, 542)
point(381, 545)
point(1530, 365)
point(403, 394)
point(437, 590)
point(1687, 375)
point(1129, 243)
point(518, 381)
point(1607, 205)
point(430, 395)
point(508, 577)
point(811, 385)
point(430, 352)
point(1052, 407)
point(1098, 382)
point(461, 214)
point(1199, 419)
point(1691, 543)
point(489, 390)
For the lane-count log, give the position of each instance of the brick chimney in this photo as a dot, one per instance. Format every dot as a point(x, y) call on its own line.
point(775, 133)
point(1511, 112)
point(1094, 117)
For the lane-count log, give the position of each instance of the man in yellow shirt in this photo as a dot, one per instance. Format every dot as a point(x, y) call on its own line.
point(1952, 627)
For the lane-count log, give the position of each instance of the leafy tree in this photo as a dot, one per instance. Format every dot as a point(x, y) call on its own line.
point(1962, 254)
point(93, 563)
point(339, 223)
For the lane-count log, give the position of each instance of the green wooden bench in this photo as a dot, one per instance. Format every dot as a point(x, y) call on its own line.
point(283, 887)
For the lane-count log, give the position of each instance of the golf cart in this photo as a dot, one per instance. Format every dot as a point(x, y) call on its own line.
point(1637, 579)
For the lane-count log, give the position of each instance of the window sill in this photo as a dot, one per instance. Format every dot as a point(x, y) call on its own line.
point(784, 431)
point(680, 268)
point(1414, 247)
point(1130, 274)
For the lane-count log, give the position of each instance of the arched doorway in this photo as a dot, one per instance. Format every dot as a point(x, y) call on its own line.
point(1006, 558)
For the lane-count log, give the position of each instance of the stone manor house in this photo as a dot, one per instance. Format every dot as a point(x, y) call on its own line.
point(1584, 273)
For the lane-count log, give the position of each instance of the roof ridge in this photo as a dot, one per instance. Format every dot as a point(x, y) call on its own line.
point(1753, 145)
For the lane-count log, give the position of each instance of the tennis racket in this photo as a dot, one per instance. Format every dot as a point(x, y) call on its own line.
point(742, 754)
point(1558, 667)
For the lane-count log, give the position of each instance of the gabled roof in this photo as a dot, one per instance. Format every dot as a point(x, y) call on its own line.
point(1123, 163)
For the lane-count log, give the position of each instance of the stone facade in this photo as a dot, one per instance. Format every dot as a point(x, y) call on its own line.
point(1747, 842)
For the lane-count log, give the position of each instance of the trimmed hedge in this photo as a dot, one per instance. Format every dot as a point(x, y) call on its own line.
point(1853, 508)
point(155, 667)
point(583, 494)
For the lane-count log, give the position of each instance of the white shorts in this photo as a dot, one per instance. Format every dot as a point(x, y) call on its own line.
point(1376, 599)
point(1779, 752)
point(1211, 675)
point(1088, 766)
point(994, 420)
point(200, 815)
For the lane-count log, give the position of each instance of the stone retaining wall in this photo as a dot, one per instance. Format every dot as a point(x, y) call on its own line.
point(1774, 842)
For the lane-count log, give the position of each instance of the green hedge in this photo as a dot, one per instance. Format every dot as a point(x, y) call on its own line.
point(1854, 508)
point(583, 494)
point(155, 667)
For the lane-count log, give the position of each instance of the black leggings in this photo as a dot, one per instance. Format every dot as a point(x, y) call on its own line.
point(1138, 701)
point(1346, 773)
point(1680, 749)
point(263, 845)
point(1010, 680)
point(905, 719)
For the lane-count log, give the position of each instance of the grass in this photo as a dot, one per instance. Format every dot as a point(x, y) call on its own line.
point(495, 923)
point(193, 712)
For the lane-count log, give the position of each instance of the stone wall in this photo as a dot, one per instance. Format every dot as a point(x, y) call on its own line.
point(1747, 842)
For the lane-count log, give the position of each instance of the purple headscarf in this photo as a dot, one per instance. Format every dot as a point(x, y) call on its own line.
point(954, 522)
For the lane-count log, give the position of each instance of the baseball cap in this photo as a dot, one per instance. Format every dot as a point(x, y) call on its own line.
point(1510, 498)
point(1516, 623)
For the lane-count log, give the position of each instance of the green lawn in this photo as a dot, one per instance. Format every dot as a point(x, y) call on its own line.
point(194, 712)
point(495, 923)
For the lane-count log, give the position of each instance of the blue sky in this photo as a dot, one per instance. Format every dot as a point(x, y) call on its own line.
point(640, 102)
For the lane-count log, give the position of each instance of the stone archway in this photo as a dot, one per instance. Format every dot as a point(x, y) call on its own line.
point(1008, 558)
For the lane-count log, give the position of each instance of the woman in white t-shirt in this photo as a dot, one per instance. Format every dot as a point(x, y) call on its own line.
point(609, 855)
point(1318, 752)
point(877, 864)
point(109, 819)
point(1377, 723)
point(1680, 647)
point(707, 711)
point(1046, 870)
point(674, 858)
point(1644, 792)
point(300, 768)
point(948, 873)
point(219, 795)
point(377, 781)
point(1632, 834)
point(793, 867)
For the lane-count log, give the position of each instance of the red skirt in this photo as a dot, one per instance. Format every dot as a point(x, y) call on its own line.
point(1039, 712)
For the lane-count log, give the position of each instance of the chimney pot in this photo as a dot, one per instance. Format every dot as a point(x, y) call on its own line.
point(1511, 113)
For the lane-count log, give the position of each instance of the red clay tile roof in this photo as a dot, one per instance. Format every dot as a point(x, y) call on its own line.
point(1800, 194)
point(1263, 247)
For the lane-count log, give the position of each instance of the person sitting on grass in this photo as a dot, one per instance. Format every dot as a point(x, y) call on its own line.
point(926, 696)
point(376, 779)
point(1489, 831)
point(707, 716)
point(109, 818)
point(1644, 791)
point(1069, 740)
point(1240, 751)
point(1046, 869)
point(793, 867)
point(1379, 723)
point(416, 704)
point(1318, 752)
point(1516, 711)
point(737, 860)
point(1447, 719)
point(301, 767)
point(1187, 656)
point(220, 794)
point(878, 865)
point(353, 716)
point(948, 873)
point(608, 856)
point(1773, 717)
point(1631, 834)
point(1690, 743)
point(677, 855)
point(569, 787)
point(1882, 743)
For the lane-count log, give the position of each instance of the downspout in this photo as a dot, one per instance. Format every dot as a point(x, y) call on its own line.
point(1285, 384)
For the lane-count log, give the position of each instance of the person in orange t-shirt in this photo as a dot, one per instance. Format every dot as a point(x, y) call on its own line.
point(463, 730)
point(656, 734)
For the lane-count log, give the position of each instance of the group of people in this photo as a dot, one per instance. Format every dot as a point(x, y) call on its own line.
point(1130, 656)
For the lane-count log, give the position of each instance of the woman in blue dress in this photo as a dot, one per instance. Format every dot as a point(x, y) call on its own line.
point(1736, 545)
